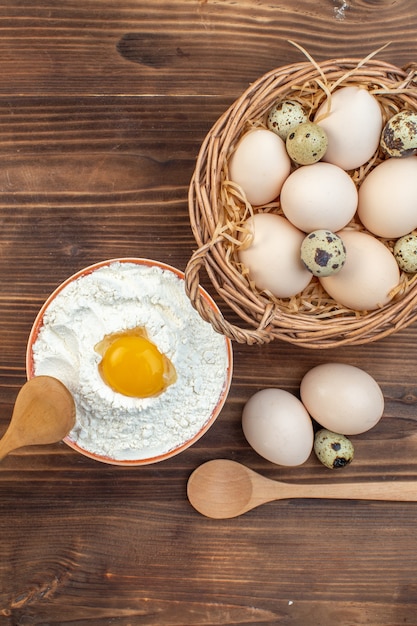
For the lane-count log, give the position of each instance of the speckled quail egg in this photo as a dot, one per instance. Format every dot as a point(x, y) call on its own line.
point(399, 135)
point(405, 252)
point(284, 116)
point(333, 450)
point(306, 144)
point(323, 253)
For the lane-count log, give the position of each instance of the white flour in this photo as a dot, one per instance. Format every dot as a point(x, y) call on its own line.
point(118, 297)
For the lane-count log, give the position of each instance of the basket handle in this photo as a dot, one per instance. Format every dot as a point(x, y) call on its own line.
point(260, 335)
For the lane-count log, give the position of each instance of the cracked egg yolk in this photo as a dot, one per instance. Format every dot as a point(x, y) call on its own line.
point(133, 366)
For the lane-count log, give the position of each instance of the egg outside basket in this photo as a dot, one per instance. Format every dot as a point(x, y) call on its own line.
point(308, 320)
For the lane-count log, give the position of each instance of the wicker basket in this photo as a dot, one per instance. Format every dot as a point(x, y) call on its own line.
point(262, 317)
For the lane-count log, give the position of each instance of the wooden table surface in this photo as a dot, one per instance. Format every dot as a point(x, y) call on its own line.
point(103, 107)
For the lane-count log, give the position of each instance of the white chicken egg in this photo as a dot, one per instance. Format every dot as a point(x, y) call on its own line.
point(259, 165)
point(319, 196)
point(342, 398)
point(273, 256)
point(388, 198)
point(353, 123)
point(278, 427)
point(369, 274)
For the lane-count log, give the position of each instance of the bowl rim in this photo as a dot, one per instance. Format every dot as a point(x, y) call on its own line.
point(141, 261)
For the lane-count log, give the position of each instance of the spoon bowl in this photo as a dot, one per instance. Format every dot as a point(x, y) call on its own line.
point(222, 489)
point(44, 412)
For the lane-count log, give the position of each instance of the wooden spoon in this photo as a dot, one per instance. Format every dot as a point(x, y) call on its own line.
point(44, 412)
point(222, 489)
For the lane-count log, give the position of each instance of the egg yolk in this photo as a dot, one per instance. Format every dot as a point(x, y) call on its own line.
point(133, 366)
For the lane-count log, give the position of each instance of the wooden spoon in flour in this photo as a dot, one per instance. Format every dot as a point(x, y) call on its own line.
point(44, 412)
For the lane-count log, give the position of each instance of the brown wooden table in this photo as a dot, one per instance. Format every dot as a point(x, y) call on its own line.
point(103, 107)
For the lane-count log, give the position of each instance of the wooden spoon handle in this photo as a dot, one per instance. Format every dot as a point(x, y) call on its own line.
point(393, 490)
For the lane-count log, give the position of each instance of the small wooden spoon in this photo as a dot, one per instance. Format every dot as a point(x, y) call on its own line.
point(44, 412)
point(222, 489)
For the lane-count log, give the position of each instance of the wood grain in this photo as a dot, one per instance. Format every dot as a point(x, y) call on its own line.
point(103, 107)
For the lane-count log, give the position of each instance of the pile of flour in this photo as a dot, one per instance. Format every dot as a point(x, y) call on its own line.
point(117, 297)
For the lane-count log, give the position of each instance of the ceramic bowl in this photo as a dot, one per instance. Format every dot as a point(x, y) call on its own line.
point(206, 421)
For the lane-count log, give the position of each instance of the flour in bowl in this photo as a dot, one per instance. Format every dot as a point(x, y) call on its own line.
point(115, 297)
